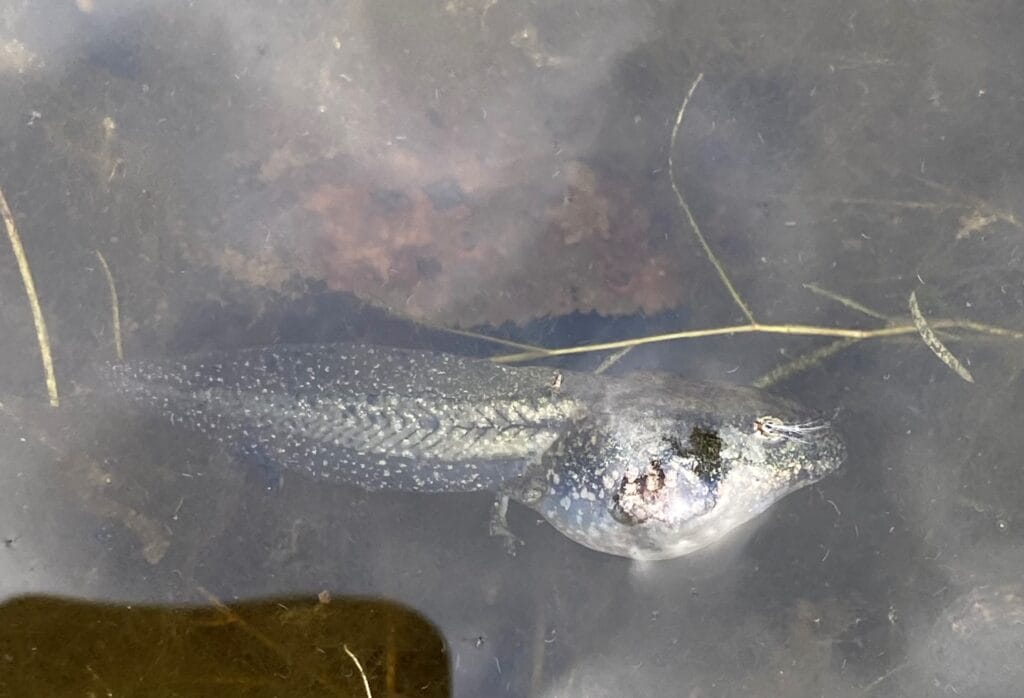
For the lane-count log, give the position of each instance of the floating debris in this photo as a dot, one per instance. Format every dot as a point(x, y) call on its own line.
point(933, 342)
point(33, 301)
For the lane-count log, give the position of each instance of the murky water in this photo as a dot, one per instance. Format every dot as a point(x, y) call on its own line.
point(278, 173)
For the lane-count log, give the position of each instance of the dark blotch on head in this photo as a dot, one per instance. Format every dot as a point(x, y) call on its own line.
point(705, 445)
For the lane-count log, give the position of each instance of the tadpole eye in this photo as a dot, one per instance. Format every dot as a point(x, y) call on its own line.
point(769, 427)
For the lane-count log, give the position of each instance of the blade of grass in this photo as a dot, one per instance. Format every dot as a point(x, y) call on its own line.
point(42, 336)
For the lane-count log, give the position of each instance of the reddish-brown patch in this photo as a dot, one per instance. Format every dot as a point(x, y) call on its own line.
point(466, 264)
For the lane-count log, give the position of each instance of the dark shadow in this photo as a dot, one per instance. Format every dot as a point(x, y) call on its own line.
point(297, 646)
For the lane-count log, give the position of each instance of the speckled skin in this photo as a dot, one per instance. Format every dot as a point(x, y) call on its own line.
point(644, 465)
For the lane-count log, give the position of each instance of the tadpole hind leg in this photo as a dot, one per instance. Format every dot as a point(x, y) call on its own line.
point(499, 524)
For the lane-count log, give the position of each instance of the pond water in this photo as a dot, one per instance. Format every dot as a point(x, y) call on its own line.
point(268, 173)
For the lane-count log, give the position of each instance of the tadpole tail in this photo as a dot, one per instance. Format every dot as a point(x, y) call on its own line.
point(369, 416)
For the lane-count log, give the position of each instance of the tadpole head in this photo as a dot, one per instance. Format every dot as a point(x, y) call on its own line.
point(684, 464)
point(726, 466)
